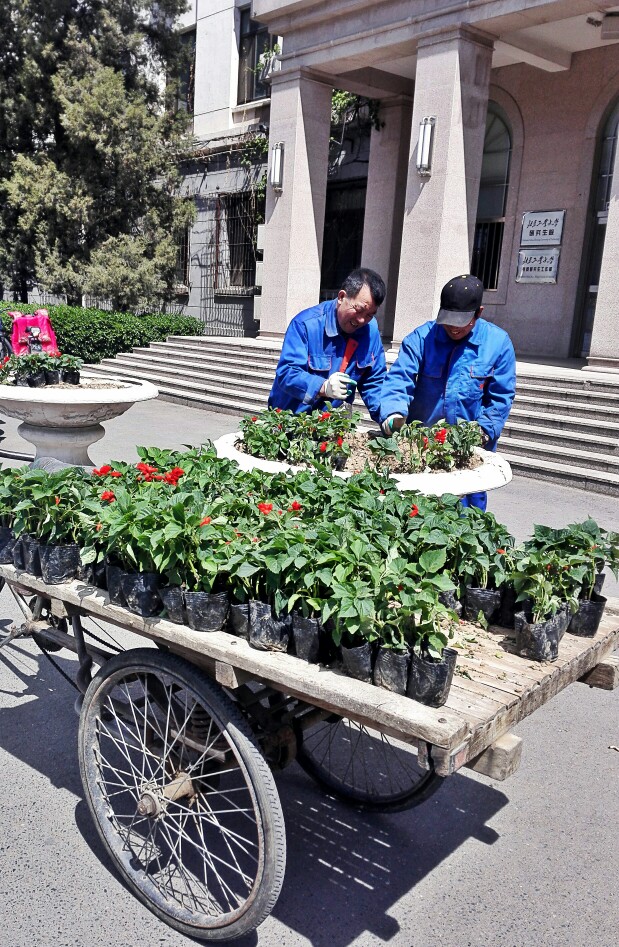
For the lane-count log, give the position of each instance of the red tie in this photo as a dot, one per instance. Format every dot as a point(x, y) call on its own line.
point(351, 348)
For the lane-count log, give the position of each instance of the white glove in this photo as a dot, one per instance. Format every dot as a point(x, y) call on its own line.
point(336, 386)
point(393, 423)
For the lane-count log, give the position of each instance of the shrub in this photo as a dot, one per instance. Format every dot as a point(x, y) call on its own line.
point(94, 334)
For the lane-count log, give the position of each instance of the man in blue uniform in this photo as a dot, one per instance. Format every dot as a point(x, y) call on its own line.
point(330, 346)
point(457, 367)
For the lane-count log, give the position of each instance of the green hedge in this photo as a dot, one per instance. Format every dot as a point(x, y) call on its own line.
point(93, 334)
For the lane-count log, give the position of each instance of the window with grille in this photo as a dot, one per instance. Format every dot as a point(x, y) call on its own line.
point(493, 188)
point(182, 262)
point(254, 40)
point(236, 221)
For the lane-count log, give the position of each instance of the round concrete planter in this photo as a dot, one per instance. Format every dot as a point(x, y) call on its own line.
point(494, 472)
point(64, 422)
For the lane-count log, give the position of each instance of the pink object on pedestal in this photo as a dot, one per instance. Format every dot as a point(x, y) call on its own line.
point(19, 336)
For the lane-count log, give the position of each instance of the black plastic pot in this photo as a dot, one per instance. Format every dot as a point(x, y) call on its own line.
point(59, 563)
point(206, 611)
point(113, 579)
point(266, 632)
point(7, 541)
point(391, 670)
point(586, 621)
point(238, 619)
point(18, 554)
point(451, 600)
point(70, 376)
point(22, 381)
point(307, 636)
point(172, 598)
point(141, 593)
point(32, 559)
point(509, 607)
point(429, 680)
point(539, 641)
point(358, 661)
point(52, 376)
point(486, 601)
point(598, 583)
point(37, 379)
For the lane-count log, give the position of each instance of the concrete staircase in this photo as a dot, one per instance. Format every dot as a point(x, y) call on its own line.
point(564, 425)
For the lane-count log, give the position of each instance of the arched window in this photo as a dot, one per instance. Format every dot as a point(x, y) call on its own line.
point(602, 185)
point(493, 187)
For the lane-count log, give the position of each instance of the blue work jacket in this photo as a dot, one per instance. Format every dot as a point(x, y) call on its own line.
point(435, 378)
point(313, 349)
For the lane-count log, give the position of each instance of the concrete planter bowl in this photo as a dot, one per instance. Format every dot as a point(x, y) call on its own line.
point(492, 473)
point(64, 422)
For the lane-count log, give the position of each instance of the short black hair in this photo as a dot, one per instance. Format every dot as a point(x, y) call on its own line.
point(355, 281)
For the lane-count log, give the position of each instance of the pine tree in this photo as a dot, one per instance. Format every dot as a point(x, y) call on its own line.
point(89, 183)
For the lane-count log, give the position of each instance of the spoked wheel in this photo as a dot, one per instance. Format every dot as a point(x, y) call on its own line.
point(181, 795)
point(363, 766)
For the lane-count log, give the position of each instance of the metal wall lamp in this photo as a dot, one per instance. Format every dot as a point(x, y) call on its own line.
point(424, 146)
point(276, 173)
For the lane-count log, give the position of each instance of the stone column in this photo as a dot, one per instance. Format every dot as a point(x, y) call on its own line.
point(604, 353)
point(301, 119)
point(451, 84)
point(384, 207)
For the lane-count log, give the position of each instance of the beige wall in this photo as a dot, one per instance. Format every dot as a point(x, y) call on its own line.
point(556, 120)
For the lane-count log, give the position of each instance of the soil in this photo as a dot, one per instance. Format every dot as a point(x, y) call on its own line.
point(361, 457)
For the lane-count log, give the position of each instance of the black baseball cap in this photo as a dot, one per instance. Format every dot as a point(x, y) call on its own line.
point(460, 299)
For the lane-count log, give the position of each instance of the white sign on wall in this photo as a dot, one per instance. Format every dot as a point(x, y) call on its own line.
point(542, 228)
point(538, 265)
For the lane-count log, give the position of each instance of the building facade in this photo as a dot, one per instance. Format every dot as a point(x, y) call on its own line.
point(497, 152)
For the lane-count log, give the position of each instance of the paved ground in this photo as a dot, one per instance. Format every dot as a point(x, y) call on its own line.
point(532, 862)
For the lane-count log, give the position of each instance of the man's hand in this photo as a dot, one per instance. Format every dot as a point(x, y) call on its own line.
point(393, 423)
point(336, 386)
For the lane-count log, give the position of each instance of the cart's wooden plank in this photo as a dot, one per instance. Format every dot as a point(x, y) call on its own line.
point(604, 675)
point(560, 676)
point(501, 759)
point(312, 683)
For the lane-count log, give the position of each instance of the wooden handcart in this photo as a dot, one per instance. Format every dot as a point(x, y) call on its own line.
point(177, 744)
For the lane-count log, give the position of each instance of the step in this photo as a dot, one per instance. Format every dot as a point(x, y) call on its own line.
point(563, 438)
point(205, 351)
point(199, 357)
point(571, 408)
point(564, 474)
point(577, 381)
point(561, 455)
point(565, 421)
point(575, 396)
point(187, 388)
point(232, 343)
point(236, 377)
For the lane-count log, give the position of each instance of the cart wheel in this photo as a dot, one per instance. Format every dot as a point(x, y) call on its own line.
point(181, 795)
point(363, 766)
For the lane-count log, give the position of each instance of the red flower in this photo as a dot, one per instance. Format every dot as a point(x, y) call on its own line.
point(340, 441)
point(441, 435)
point(501, 552)
point(265, 508)
point(236, 533)
point(324, 416)
point(425, 441)
point(102, 471)
point(115, 473)
point(414, 510)
point(108, 495)
point(382, 491)
point(323, 447)
point(254, 418)
point(98, 526)
point(254, 539)
point(280, 512)
point(205, 521)
point(146, 469)
point(6, 359)
point(278, 411)
point(295, 506)
point(57, 499)
point(400, 587)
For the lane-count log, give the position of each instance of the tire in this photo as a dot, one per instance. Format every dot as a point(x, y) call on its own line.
point(364, 767)
point(209, 858)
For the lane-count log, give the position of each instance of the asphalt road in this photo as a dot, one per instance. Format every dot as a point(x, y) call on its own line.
point(531, 862)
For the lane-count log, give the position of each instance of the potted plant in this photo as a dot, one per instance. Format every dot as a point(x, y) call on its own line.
point(70, 367)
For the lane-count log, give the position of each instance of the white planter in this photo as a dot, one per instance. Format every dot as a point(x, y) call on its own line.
point(492, 473)
point(64, 422)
